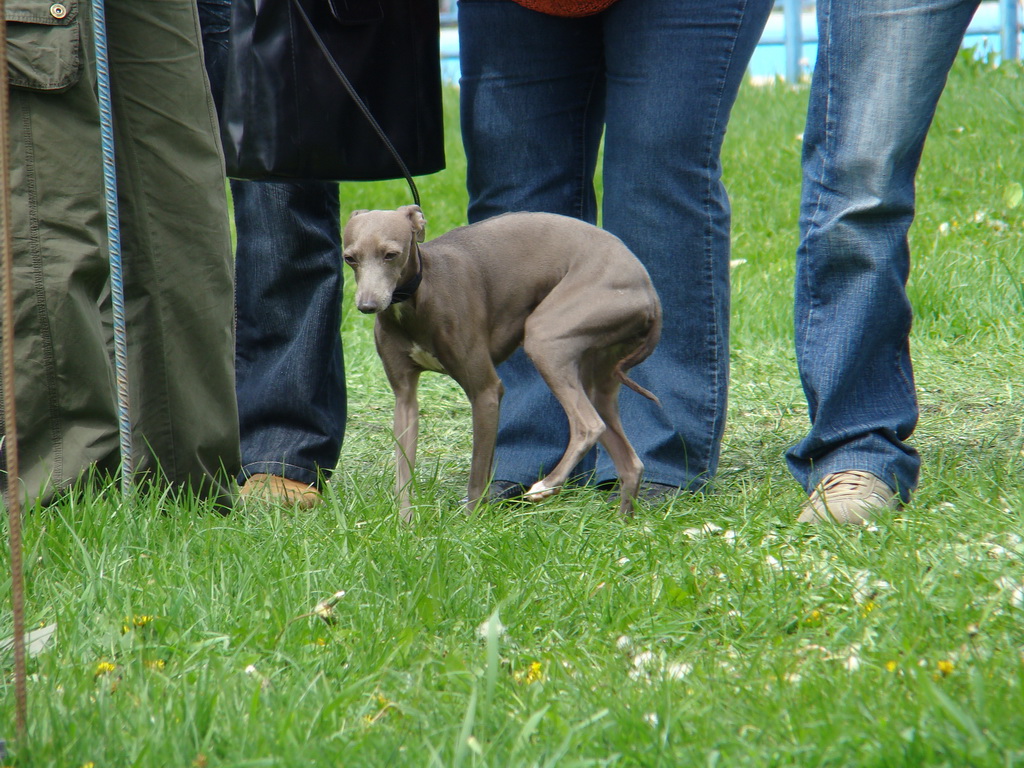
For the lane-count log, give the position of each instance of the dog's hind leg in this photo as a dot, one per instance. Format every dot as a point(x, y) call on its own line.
point(605, 396)
point(558, 363)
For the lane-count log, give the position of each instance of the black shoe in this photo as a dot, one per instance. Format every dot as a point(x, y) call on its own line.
point(501, 490)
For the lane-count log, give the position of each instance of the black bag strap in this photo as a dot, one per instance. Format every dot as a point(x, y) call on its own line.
point(359, 102)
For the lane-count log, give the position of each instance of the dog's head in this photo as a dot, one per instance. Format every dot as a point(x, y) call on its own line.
point(380, 248)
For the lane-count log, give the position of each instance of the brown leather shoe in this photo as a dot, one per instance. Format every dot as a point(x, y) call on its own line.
point(849, 497)
point(274, 489)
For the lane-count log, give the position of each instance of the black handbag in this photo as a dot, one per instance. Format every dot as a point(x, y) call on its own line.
point(287, 115)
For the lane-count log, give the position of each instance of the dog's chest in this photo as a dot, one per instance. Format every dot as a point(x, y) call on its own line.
point(421, 355)
point(425, 359)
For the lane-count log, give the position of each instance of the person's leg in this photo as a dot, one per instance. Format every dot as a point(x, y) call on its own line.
point(291, 382)
point(532, 95)
point(64, 393)
point(674, 69)
point(177, 247)
point(289, 365)
point(882, 65)
point(215, 26)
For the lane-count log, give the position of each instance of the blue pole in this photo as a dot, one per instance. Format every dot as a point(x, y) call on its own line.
point(124, 425)
point(1009, 23)
point(794, 39)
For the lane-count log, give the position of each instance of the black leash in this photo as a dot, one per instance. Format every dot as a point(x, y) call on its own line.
point(359, 102)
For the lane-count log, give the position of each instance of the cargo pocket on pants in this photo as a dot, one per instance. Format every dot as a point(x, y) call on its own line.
point(44, 44)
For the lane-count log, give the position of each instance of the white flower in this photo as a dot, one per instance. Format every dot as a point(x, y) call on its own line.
point(865, 588)
point(677, 670)
point(708, 529)
point(651, 718)
point(643, 660)
point(500, 631)
point(1014, 588)
point(1017, 597)
point(624, 643)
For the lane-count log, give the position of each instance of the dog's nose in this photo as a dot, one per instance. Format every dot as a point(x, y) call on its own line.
point(367, 305)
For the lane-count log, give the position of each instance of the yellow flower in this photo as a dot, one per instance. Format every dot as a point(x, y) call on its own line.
point(813, 618)
point(891, 666)
point(90, 764)
point(532, 674)
point(104, 667)
point(136, 622)
point(385, 706)
point(945, 667)
point(868, 607)
point(155, 664)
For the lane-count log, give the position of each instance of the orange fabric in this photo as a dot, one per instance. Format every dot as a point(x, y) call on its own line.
point(566, 7)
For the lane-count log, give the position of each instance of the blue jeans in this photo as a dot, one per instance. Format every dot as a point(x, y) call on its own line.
point(882, 65)
point(290, 375)
point(659, 77)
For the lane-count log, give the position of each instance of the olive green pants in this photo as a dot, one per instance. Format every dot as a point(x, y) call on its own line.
point(175, 241)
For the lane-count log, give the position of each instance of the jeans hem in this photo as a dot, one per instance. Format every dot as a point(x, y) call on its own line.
point(281, 469)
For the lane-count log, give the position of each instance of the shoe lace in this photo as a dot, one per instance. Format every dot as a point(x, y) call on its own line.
point(846, 485)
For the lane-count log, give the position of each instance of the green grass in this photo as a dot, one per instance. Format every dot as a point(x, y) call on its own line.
point(655, 642)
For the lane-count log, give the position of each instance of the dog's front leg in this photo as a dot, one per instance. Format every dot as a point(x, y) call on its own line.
point(404, 377)
point(406, 428)
point(485, 401)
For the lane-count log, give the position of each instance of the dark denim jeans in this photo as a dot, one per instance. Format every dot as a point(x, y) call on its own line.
point(882, 65)
point(288, 271)
point(659, 77)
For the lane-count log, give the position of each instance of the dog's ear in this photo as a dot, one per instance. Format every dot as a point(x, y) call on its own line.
point(419, 224)
point(356, 213)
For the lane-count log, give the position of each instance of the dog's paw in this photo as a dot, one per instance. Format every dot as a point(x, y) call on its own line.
point(538, 492)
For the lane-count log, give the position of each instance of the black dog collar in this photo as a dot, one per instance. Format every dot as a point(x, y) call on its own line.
point(405, 291)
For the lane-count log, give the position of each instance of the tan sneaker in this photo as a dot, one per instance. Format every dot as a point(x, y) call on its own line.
point(849, 497)
point(273, 489)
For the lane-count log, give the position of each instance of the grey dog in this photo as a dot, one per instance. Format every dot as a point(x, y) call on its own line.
point(578, 301)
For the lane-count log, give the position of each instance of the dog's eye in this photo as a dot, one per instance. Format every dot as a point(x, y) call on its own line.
point(391, 255)
point(350, 260)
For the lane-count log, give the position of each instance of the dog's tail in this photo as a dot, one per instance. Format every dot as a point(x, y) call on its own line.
point(638, 355)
